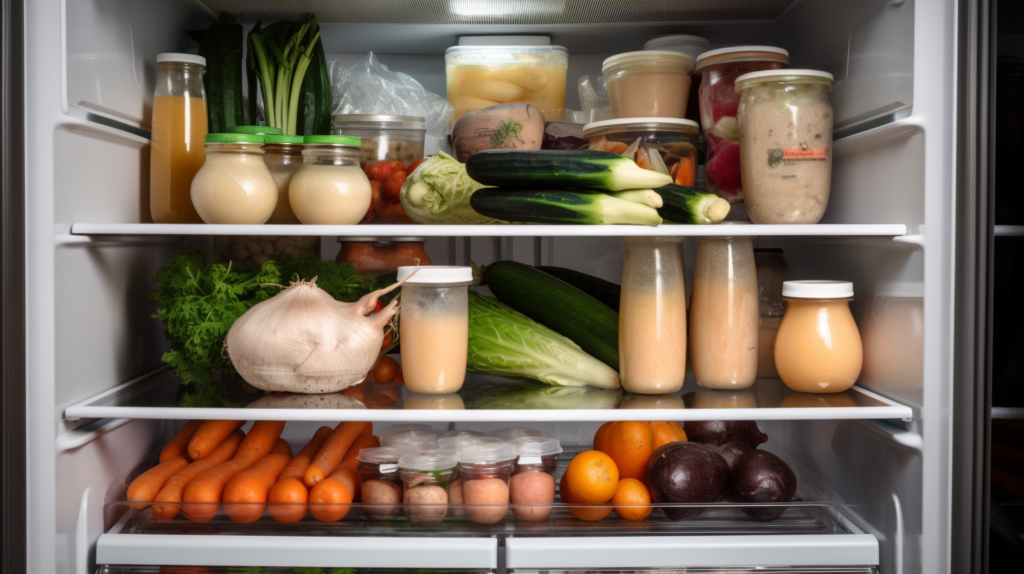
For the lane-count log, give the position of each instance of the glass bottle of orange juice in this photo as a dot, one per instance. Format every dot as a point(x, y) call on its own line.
point(179, 126)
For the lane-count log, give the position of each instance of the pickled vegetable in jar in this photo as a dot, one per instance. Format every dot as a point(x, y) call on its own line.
point(532, 486)
point(425, 479)
point(381, 491)
point(665, 145)
point(376, 256)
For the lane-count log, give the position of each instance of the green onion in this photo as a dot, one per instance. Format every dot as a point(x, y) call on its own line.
point(283, 52)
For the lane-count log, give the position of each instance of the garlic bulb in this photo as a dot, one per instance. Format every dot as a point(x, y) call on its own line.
point(304, 341)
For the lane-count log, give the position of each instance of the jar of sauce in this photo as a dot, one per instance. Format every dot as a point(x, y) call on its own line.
point(376, 256)
point(818, 348)
point(532, 486)
point(381, 491)
point(724, 314)
point(772, 271)
point(234, 186)
point(484, 470)
point(648, 84)
point(434, 327)
point(425, 479)
point(283, 156)
point(652, 316)
point(330, 188)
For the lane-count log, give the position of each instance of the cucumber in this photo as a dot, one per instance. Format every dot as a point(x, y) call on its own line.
point(560, 207)
point(554, 169)
point(558, 306)
point(222, 48)
point(604, 291)
point(691, 205)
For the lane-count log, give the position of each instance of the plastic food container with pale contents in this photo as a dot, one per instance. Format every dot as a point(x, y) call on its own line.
point(376, 256)
point(818, 347)
point(425, 479)
point(381, 491)
point(384, 137)
point(330, 188)
point(893, 336)
point(483, 76)
point(692, 46)
point(648, 83)
point(532, 486)
point(672, 140)
point(234, 185)
point(484, 471)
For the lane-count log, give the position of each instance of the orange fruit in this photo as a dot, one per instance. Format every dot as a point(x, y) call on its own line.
point(630, 444)
point(666, 432)
point(592, 477)
point(578, 510)
point(632, 492)
point(601, 436)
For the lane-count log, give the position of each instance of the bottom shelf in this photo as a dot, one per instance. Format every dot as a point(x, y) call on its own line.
point(251, 570)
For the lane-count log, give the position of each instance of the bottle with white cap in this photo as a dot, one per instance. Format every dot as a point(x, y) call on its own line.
point(818, 347)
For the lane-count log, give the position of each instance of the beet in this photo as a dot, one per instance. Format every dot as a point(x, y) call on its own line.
point(744, 433)
point(760, 476)
point(687, 472)
point(731, 451)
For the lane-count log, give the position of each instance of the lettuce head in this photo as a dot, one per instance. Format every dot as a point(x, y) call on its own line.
point(438, 193)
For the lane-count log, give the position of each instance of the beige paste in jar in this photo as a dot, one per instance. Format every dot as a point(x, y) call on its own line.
point(329, 194)
point(234, 186)
point(818, 347)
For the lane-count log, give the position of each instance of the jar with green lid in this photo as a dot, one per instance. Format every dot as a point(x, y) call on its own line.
point(255, 130)
point(330, 188)
point(283, 156)
point(234, 185)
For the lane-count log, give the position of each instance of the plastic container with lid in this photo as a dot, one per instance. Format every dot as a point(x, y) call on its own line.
point(376, 256)
point(719, 103)
point(459, 433)
point(425, 478)
point(483, 76)
point(532, 486)
point(179, 125)
point(257, 130)
point(384, 137)
point(648, 83)
point(412, 439)
point(818, 348)
point(381, 491)
point(512, 433)
point(673, 140)
point(772, 271)
point(785, 121)
point(234, 185)
point(484, 471)
point(283, 156)
point(434, 327)
point(893, 336)
point(692, 46)
point(330, 188)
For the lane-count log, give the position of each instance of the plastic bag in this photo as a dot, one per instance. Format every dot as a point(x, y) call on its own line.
point(369, 87)
point(594, 98)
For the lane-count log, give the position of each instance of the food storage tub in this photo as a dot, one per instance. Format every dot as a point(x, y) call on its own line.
point(692, 46)
point(893, 335)
point(673, 141)
point(532, 486)
point(483, 76)
point(330, 188)
point(376, 256)
point(258, 249)
point(234, 186)
point(649, 83)
point(425, 478)
point(412, 439)
point(483, 472)
point(384, 137)
point(381, 491)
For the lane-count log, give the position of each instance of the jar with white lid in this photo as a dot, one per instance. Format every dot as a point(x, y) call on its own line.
point(283, 156)
point(532, 486)
point(893, 336)
point(692, 46)
point(330, 188)
point(484, 470)
point(178, 127)
point(425, 478)
point(381, 491)
point(648, 83)
point(234, 185)
point(818, 347)
point(434, 327)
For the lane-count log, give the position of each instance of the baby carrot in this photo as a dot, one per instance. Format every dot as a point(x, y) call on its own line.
point(179, 444)
point(289, 496)
point(167, 503)
point(145, 486)
point(335, 447)
point(260, 440)
point(208, 436)
point(245, 496)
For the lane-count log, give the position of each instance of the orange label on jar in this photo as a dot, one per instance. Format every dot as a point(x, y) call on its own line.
point(779, 155)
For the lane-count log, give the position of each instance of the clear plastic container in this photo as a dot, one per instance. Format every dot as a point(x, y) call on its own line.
point(693, 46)
point(512, 433)
point(484, 471)
point(719, 105)
point(649, 83)
point(258, 249)
point(724, 314)
point(412, 439)
point(785, 121)
point(283, 156)
point(179, 126)
point(425, 478)
point(673, 141)
point(772, 271)
point(818, 348)
point(381, 490)
point(434, 327)
point(234, 186)
point(330, 188)
point(460, 433)
point(376, 256)
point(483, 76)
point(384, 138)
point(893, 337)
point(532, 486)
point(652, 316)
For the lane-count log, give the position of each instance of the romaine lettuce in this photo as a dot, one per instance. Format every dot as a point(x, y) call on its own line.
point(438, 193)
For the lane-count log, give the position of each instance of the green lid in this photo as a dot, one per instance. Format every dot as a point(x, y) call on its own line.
point(258, 130)
point(280, 139)
point(337, 140)
point(234, 138)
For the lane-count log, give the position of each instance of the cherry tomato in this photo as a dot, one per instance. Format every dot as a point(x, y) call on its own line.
point(385, 370)
point(396, 166)
point(412, 166)
point(392, 188)
point(379, 171)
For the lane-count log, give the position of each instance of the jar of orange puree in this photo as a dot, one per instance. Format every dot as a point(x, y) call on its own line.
point(818, 347)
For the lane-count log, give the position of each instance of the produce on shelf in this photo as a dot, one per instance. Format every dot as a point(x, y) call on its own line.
point(561, 207)
point(687, 472)
point(590, 479)
point(438, 192)
point(179, 444)
point(743, 433)
point(332, 497)
point(503, 126)
point(691, 205)
point(631, 443)
point(760, 476)
point(222, 47)
point(505, 342)
point(554, 169)
point(288, 497)
point(386, 180)
point(647, 197)
point(502, 393)
point(629, 498)
point(331, 453)
point(604, 291)
point(167, 503)
point(245, 496)
point(145, 487)
point(208, 436)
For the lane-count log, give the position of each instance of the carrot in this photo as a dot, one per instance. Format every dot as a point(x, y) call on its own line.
point(289, 496)
point(146, 486)
point(335, 447)
point(179, 444)
point(245, 496)
point(368, 429)
point(617, 147)
point(331, 498)
point(261, 438)
point(361, 442)
point(685, 176)
point(281, 446)
point(167, 503)
point(642, 159)
point(209, 435)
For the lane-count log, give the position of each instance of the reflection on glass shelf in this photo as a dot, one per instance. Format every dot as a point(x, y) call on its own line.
point(193, 569)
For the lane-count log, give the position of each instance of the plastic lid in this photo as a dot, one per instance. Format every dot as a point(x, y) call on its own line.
point(233, 138)
point(510, 433)
point(180, 57)
point(417, 439)
point(259, 130)
point(677, 41)
point(435, 274)
point(642, 58)
point(508, 48)
point(533, 446)
point(817, 289)
point(627, 124)
point(458, 433)
point(742, 54)
point(504, 40)
point(482, 453)
point(784, 77)
point(332, 140)
point(380, 455)
point(427, 462)
point(379, 121)
point(453, 443)
point(282, 139)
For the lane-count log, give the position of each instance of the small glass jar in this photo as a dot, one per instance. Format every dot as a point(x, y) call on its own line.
point(512, 433)
point(785, 123)
point(532, 486)
point(719, 103)
point(772, 271)
point(330, 188)
point(893, 338)
point(648, 84)
point(381, 491)
point(724, 314)
point(384, 138)
point(256, 130)
point(234, 185)
point(283, 156)
point(425, 478)
point(434, 327)
point(376, 256)
point(818, 348)
point(673, 141)
point(484, 470)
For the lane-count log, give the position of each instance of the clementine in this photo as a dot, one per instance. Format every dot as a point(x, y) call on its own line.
point(632, 492)
point(630, 444)
point(578, 509)
point(592, 477)
point(601, 436)
point(666, 432)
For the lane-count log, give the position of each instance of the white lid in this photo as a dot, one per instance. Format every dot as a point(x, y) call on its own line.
point(640, 123)
point(733, 49)
point(510, 433)
point(642, 57)
point(483, 453)
point(427, 462)
point(436, 274)
point(380, 455)
point(902, 290)
point(817, 289)
point(786, 75)
point(179, 57)
point(527, 446)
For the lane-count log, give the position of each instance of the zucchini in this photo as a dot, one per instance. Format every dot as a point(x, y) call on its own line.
point(557, 169)
point(604, 291)
point(647, 197)
point(560, 207)
point(558, 306)
point(222, 48)
point(691, 205)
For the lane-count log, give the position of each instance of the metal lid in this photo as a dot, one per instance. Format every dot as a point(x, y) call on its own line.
point(332, 140)
point(427, 462)
point(379, 121)
point(435, 274)
point(258, 130)
point(742, 54)
point(181, 58)
point(817, 289)
point(784, 77)
point(510, 433)
point(532, 446)
point(682, 63)
point(629, 124)
point(283, 139)
point(233, 138)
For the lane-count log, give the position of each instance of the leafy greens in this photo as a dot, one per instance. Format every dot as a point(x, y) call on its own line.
point(438, 192)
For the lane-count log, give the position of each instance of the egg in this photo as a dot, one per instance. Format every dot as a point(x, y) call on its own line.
point(492, 492)
point(381, 492)
point(426, 504)
point(532, 487)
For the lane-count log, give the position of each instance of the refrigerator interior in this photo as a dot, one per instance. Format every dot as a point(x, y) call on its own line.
point(91, 254)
